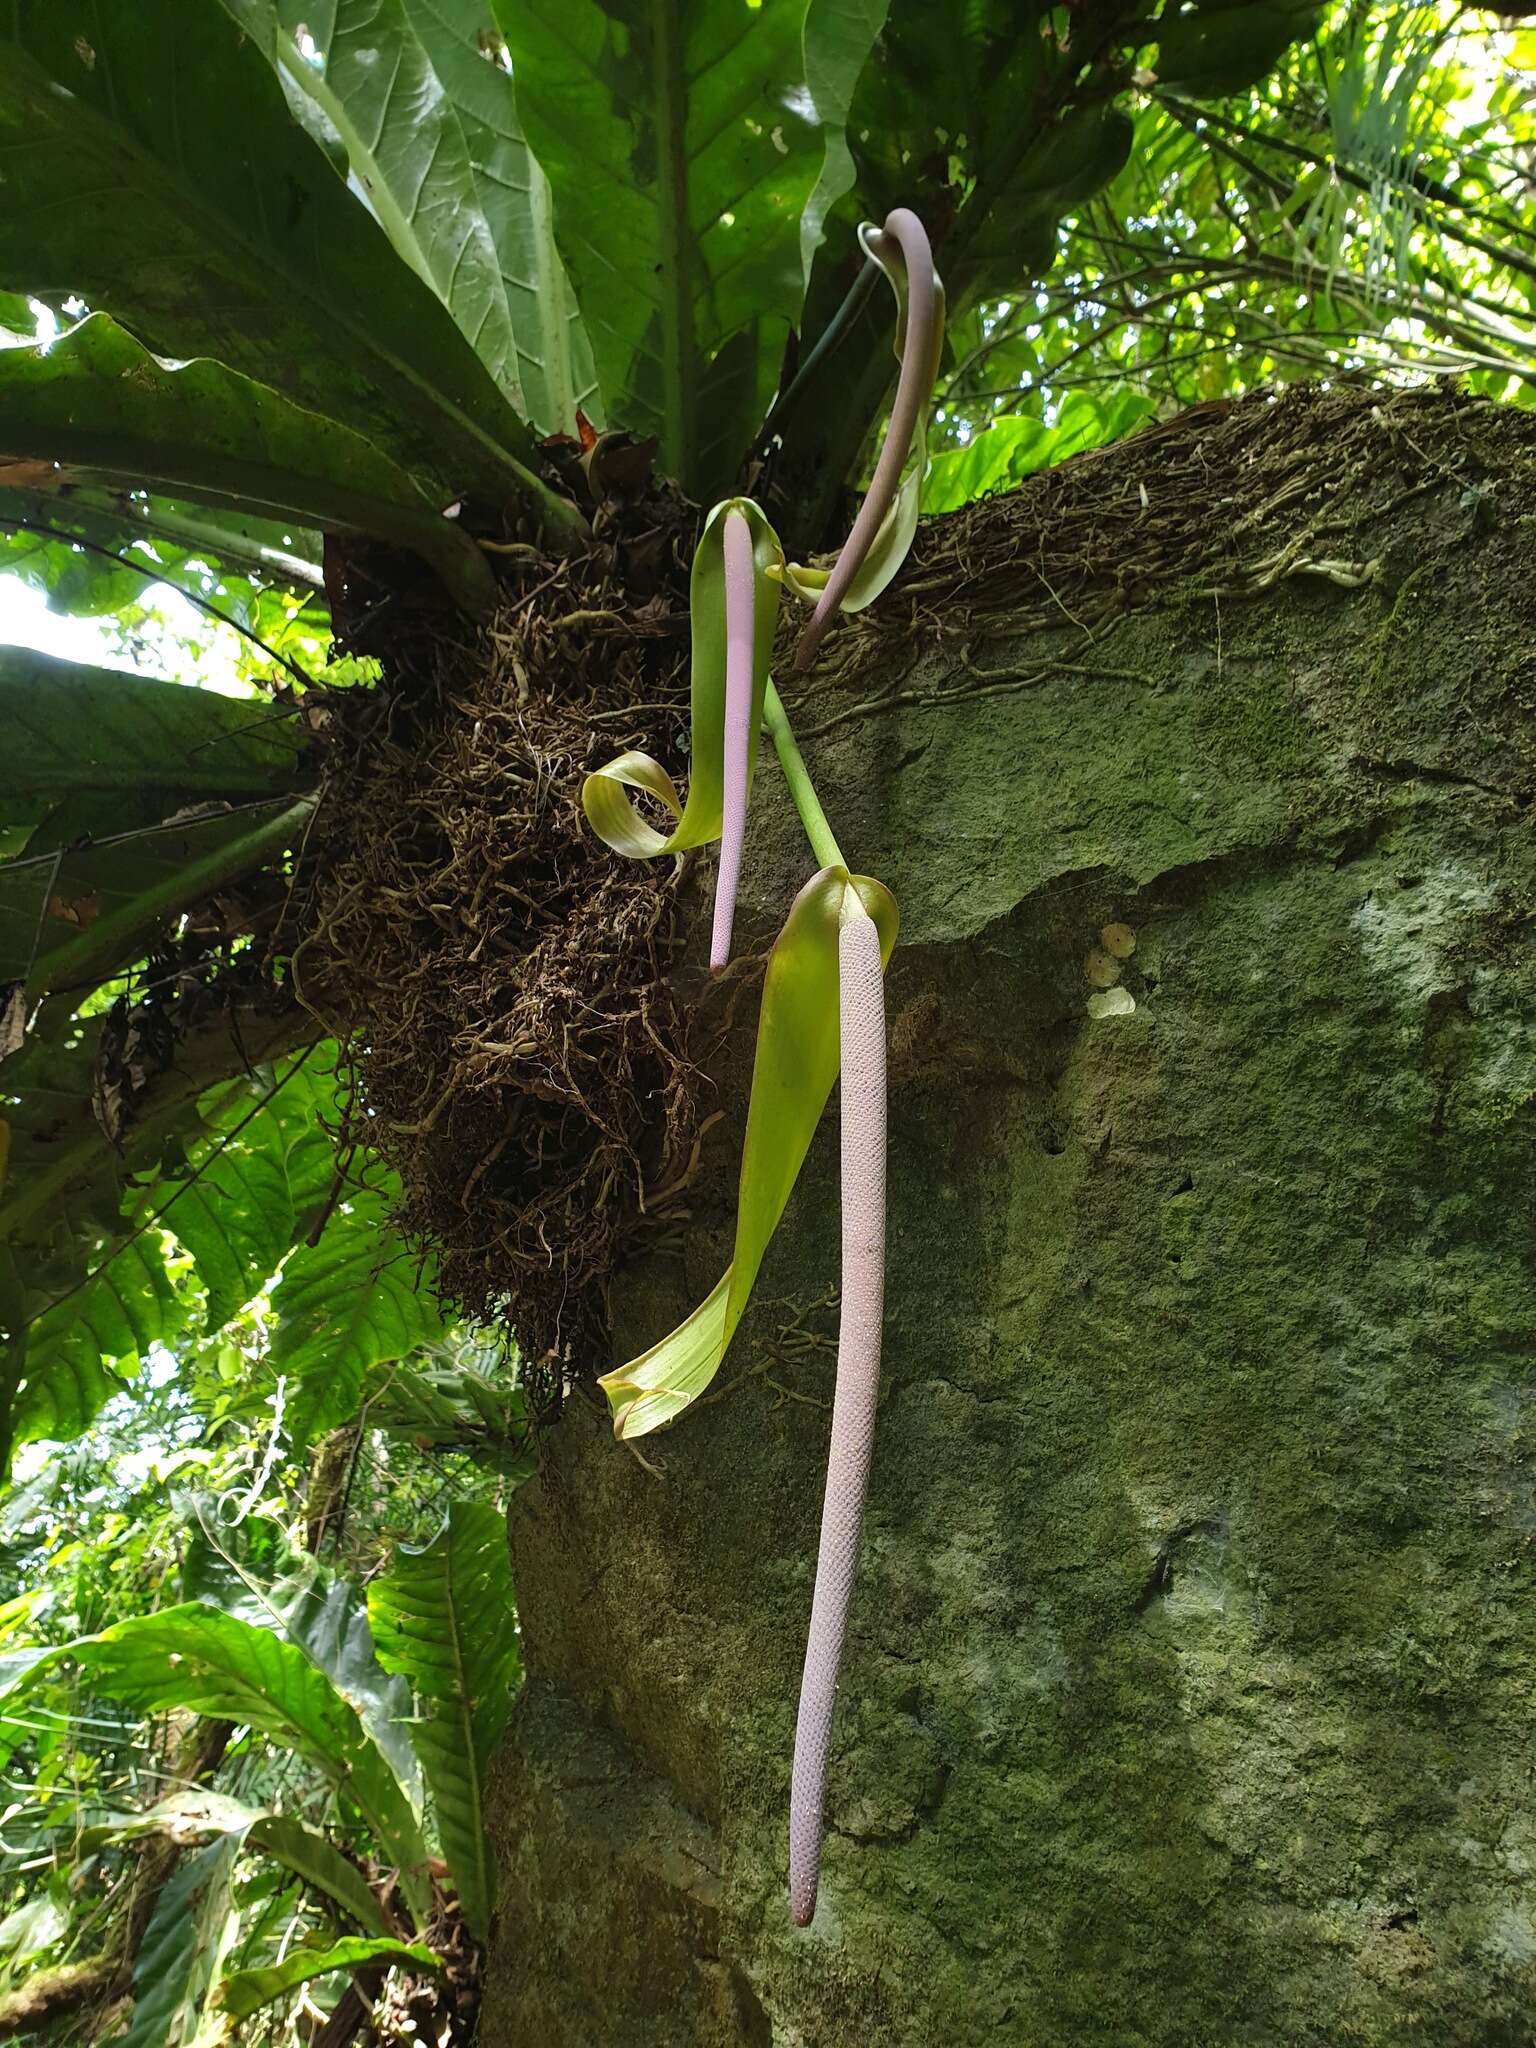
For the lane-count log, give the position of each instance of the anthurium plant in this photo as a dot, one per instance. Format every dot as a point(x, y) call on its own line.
point(823, 1008)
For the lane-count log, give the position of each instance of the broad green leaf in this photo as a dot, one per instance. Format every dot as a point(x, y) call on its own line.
point(195, 1815)
point(345, 1305)
point(52, 939)
point(68, 731)
point(70, 1197)
point(837, 39)
point(237, 1222)
point(183, 1945)
point(199, 1658)
point(798, 1047)
point(101, 406)
point(248, 1569)
point(680, 143)
point(217, 1664)
point(444, 1618)
point(153, 167)
point(609, 811)
point(1016, 447)
point(81, 1352)
point(1217, 50)
point(96, 552)
point(164, 533)
point(235, 1216)
point(32, 1927)
point(188, 1816)
point(452, 1407)
point(989, 461)
point(263, 1163)
point(423, 109)
point(313, 1857)
point(244, 1992)
point(554, 354)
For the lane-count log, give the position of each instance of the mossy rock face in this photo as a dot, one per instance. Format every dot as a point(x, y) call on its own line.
point(1188, 1697)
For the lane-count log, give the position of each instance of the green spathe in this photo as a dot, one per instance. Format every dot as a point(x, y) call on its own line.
point(798, 1047)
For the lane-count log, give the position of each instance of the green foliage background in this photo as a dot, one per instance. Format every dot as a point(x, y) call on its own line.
point(279, 275)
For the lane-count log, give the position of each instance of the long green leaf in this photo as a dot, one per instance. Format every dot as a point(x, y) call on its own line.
point(254, 1177)
point(201, 859)
point(163, 533)
point(183, 1945)
point(798, 1049)
point(554, 355)
point(189, 1817)
point(424, 113)
point(81, 1352)
point(444, 1619)
point(838, 38)
point(217, 1664)
point(680, 144)
point(96, 402)
point(71, 1196)
point(312, 1857)
point(112, 1297)
point(345, 1305)
point(453, 1407)
point(67, 730)
point(195, 1816)
point(248, 1569)
point(1014, 448)
point(244, 1992)
point(153, 167)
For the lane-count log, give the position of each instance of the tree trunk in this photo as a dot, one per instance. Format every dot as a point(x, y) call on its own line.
point(1187, 1698)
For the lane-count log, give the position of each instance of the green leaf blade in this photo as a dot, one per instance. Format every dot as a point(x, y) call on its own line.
point(70, 730)
point(155, 170)
point(444, 1618)
point(682, 153)
point(98, 403)
point(178, 1959)
point(798, 1050)
point(217, 1664)
point(355, 1300)
point(243, 1993)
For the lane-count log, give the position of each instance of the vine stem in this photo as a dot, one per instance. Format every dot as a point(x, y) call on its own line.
point(823, 844)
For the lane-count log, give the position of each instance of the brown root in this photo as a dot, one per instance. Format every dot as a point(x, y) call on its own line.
point(495, 975)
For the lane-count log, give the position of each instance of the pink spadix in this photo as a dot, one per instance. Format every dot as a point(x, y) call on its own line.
point(902, 227)
point(861, 1014)
point(740, 601)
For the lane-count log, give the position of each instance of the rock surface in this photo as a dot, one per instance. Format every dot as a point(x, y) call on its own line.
point(1189, 1692)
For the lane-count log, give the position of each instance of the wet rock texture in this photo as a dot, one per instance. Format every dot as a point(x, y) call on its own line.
point(1189, 1693)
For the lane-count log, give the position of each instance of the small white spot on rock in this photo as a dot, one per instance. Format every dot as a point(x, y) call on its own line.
point(1111, 1002)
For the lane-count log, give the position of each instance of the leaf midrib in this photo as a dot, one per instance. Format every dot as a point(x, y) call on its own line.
point(216, 228)
point(669, 114)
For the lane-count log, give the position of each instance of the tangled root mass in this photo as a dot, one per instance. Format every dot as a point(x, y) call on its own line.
point(495, 976)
